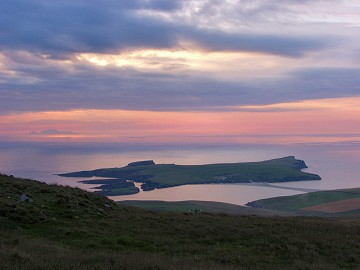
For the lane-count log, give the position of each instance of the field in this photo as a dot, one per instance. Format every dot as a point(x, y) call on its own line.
point(342, 206)
point(55, 227)
point(344, 202)
point(168, 175)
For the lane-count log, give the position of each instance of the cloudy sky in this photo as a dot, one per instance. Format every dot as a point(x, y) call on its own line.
point(180, 71)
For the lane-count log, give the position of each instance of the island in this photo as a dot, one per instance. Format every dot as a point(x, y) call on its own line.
point(154, 176)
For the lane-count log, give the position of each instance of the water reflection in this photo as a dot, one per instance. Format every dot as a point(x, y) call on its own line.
point(228, 193)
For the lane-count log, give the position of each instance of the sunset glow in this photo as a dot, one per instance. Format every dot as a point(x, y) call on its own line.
point(305, 121)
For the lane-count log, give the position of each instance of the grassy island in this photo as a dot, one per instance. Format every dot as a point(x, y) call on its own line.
point(153, 175)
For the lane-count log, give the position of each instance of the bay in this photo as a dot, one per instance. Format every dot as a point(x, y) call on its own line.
point(337, 164)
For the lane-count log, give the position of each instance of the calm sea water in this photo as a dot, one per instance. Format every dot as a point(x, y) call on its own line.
point(337, 163)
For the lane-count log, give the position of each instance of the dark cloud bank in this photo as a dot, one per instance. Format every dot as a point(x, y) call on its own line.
point(65, 27)
point(113, 88)
point(62, 28)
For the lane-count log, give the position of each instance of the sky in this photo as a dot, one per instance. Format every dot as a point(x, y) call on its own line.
point(180, 71)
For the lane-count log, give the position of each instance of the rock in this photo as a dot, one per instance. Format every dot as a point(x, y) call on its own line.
point(107, 205)
point(24, 198)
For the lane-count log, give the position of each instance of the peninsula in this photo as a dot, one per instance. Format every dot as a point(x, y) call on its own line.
point(153, 175)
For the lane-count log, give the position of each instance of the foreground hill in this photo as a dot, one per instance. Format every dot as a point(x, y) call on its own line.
point(168, 175)
point(53, 227)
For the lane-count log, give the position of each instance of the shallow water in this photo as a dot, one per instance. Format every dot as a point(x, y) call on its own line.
point(338, 165)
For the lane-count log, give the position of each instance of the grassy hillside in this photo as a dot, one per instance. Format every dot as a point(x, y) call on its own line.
point(52, 227)
point(168, 175)
point(321, 203)
point(202, 207)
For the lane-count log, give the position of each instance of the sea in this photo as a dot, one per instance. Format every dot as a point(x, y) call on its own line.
point(338, 164)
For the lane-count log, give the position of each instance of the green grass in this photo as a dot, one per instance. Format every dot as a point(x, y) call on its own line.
point(188, 207)
point(19, 251)
point(201, 207)
point(67, 228)
point(296, 202)
point(114, 191)
point(168, 175)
